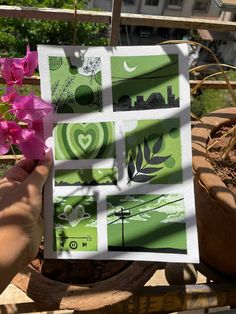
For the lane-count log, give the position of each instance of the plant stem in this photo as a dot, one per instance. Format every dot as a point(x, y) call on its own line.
point(75, 23)
point(231, 144)
point(14, 153)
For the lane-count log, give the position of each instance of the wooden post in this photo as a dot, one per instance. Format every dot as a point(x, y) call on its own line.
point(115, 22)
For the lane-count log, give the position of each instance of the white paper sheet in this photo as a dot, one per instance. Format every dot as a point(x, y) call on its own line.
point(121, 185)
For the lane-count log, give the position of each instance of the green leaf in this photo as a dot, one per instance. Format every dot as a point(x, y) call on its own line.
point(150, 170)
point(142, 178)
point(158, 144)
point(131, 168)
point(158, 160)
point(147, 153)
point(139, 158)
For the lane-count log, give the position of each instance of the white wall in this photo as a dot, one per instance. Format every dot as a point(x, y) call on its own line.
point(152, 9)
point(226, 16)
point(131, 7)
point(187, 10)
point(139, 7)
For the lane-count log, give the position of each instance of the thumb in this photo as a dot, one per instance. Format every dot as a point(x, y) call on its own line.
point(36, 180)
point(20, 171)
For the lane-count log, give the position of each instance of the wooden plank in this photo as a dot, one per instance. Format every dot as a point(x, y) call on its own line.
point(10, 158)
point(115, 22)
point(125, 19)
point(213, 84)
point(54, 14)
point(34, 80)
point(187, 297)
point(168, 299)
point(27, 307)
point(177, 22)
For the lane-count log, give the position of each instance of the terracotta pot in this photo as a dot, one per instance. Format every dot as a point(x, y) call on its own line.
point(57, 295)
point(215, 203)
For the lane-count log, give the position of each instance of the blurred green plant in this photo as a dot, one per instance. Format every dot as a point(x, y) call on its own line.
point(16, 33)
point(4, 166)
point(208, 100)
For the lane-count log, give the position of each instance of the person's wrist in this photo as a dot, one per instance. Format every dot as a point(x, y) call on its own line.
point(13, 253)
point(14, 246)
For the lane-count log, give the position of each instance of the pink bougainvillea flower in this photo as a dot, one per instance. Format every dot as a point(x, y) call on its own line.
point(13, 70)
point(33, 146)
point(9, 96)
point(10, 133)
point(30, 144)
point(38, 127)
point(21, 117)
point(30, 108)
point(30, 61)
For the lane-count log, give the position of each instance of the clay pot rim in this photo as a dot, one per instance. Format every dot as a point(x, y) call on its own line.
point(84, 297)
point(201, 166)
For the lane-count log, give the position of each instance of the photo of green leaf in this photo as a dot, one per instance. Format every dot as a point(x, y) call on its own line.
point(145, 82)
point(75, 223)
point(75, 89)
point(146, 223)
point(153, 151)
point(84, 140)
point(83, 177)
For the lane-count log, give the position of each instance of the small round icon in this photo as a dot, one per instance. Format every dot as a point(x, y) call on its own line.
point(73, 245)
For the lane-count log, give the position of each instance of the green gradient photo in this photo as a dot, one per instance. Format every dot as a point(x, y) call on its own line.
point(84, 140)
point(145, 82)
point(77, 177)
point(146, 223)
point(75, 89)
point(75, 223)
point(153, 151)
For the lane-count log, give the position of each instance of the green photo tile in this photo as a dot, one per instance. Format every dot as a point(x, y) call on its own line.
point(75, 223)
point(84, 140)
point(145, 82)
point(146, 223)
point(78, 177)
point(153, 151)
point(75, 88)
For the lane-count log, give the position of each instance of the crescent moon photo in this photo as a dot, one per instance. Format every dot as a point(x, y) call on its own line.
point(129, 69)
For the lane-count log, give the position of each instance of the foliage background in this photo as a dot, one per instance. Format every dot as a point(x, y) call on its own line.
point(208, 100)
point(15, 34)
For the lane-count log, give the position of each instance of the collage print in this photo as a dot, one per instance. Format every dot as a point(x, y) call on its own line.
point(118, 181)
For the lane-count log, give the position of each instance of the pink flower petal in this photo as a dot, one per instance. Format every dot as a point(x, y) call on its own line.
point(10, 133)
point(33, 147)
point(4, 148)
point(13, 70)
point(30, 108)
point(38, 127)
point(10, 94)
point(14, 132)
point(31, 62)
point(4, 145)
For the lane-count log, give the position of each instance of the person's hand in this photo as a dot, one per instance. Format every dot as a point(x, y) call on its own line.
point(21, 223)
